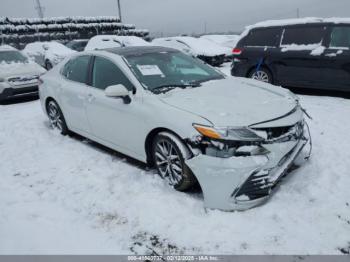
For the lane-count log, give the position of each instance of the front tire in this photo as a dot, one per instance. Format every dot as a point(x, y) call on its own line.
point(56, 117)
point(262, 75)
point(48, 65)
point(169, 155)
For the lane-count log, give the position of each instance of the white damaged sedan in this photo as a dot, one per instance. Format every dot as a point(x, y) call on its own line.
point(235, 137)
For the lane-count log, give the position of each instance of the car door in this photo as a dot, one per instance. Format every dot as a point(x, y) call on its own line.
point(73, 92)
point(112, 119)
point(336, 59)
point(300, 55)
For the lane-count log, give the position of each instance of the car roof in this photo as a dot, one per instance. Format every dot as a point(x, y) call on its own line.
point(137, 50)
point(307, 21)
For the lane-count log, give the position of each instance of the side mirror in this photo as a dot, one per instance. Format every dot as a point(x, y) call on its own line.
point(118, 91)
point(46, 47)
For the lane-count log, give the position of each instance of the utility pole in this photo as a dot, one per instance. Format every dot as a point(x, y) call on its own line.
point(205, 27)
point(120, 11)
point(298, 12)
point(40, 9)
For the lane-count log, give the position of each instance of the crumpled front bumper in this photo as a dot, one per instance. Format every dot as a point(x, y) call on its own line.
point(240, 183)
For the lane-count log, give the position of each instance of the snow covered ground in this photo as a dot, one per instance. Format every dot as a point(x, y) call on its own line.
point(64, 195)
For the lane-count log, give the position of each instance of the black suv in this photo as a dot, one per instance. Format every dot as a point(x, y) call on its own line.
point(307, 53)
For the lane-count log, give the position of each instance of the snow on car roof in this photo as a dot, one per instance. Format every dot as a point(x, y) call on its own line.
point(55, 47)
point(6, 48)
point(297, 21)
point(224, 40)
point(138, 50)
point(200, 46)
point(220, 38)
point(109, 41)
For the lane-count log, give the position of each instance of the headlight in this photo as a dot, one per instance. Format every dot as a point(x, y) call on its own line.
point(230, 133)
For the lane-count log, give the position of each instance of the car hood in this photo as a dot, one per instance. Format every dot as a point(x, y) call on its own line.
point(233, 102)
point(20, 69)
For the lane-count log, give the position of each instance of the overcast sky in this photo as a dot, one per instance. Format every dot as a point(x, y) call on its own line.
point(182, 16)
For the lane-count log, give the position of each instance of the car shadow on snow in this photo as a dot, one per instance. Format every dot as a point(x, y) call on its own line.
point(195, 191)
point(19, 100)
point(319, 92)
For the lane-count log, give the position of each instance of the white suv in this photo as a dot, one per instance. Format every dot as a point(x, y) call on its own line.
point(236, 137)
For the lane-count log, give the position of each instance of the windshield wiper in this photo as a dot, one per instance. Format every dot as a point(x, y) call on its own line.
point(198, 82)
point(167, 88)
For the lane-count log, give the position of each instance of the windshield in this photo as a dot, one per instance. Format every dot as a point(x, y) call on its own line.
point(12, 57)
point(170, 69)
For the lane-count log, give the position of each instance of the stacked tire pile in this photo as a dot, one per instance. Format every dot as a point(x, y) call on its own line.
point(20, 31)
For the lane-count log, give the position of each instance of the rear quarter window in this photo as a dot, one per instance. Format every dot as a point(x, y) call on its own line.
point(264, 37)
point(340, 37)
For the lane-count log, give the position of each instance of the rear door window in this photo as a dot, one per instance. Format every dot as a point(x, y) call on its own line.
point(263, 37)
point(340, 37)
point(77, 69)
point(303, 35)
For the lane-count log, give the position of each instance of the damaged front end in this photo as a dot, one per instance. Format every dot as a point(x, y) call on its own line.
point(238, 168)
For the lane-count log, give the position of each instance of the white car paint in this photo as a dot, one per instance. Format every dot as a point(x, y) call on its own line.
point(230, 102)
point(110, 41)
point(192, 46)
point(53, 52)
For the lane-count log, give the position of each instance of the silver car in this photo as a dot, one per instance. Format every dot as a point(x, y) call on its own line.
point(18, 76)
point(236, 137)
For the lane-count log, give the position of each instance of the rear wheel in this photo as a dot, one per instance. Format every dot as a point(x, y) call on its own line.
point(56, 117)
point(262, 75)
point(169, 155)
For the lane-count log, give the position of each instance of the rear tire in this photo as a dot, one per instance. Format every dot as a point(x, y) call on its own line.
point(262, 75)
point(56, 117)
point(169, 155)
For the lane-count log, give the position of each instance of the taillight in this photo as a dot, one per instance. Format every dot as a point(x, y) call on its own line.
point(237, 51)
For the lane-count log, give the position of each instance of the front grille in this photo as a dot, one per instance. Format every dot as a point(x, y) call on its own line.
point(285, 132)
point(24, 90)
point(25, 80)
point(256, 186)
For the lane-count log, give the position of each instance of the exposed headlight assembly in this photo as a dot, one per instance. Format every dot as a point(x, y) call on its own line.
point(244, 134)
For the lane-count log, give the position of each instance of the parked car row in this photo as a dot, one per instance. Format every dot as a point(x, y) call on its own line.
point(204, 49)
point(49, 54)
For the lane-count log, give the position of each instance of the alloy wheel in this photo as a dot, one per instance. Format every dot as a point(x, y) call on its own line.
point(55, 116)
point(261, 76)
point(168, 161)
